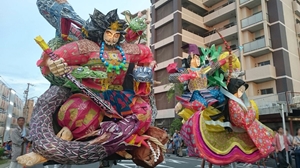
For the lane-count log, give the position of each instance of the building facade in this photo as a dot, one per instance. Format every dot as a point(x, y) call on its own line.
point(263, 33)
point(29, 109)
point(10, 109)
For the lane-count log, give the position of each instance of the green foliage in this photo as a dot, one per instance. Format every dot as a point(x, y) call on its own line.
point(176, 89)
point(1, 151)
point(175, 125)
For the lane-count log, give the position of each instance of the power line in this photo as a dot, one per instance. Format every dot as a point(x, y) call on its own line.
point(4, 81)
point(9, 86)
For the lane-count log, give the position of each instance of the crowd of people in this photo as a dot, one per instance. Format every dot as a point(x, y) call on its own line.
point(287, 145)
point(284, 144)
point(7, 149)
point(175, 144)
point(19, 142)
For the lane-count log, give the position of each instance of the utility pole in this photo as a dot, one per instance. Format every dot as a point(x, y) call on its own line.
point(25, 109)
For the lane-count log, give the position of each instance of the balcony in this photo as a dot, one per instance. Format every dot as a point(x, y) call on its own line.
point(257, 48)
point(296, 8)
point(220, 14)
point(192, 17)
point(249, 3)
point(269, 104)
point(253, 23)
point(229, 32)
point(195, 6)
point(298, 29)
point(190, 37)
point(210, 3)
point(260, 74)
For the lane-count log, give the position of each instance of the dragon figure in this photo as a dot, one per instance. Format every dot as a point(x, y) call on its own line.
point(91, 65)
point(137, 26)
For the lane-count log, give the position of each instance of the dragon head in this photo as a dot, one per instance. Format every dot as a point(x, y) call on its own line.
point(138, 23)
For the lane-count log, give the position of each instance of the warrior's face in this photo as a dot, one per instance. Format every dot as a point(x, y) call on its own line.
point(195, 62)
point(111, 37)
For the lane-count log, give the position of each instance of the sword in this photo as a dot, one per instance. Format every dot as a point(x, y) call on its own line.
point(103, 104)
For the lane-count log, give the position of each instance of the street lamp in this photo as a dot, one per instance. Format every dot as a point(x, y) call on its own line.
point(282, 114)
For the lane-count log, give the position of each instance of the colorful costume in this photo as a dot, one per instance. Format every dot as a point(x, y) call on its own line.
point(219, 126)
point(119, 73)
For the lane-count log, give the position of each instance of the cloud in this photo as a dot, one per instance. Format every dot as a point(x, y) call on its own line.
point(19, 84)
point(21, 22)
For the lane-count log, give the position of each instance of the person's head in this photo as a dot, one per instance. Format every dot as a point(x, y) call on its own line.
point(21, 121)
point(105, 28)
point(280, 130)
point(195, 61)
point(237, 87)
point(9, 142)
point(298, 131)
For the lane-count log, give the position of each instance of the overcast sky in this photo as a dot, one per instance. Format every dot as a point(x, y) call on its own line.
point(21, 22)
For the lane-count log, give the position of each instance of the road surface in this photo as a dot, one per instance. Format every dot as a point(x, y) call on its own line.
point(170, 162)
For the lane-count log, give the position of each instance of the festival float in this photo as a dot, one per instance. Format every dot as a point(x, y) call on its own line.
point(220, 124)
point(100, 105)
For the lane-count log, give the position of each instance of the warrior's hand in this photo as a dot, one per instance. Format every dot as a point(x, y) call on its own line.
point(58, 67)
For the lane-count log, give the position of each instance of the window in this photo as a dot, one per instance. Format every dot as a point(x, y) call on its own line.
point(264, 63)
point(260, 37)
point(233, 47)
point(266, 91)
point(4, 97)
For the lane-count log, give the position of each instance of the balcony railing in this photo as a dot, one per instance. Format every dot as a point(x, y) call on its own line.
point(243, 1)
point(252, 19)
point(269, 104)
point(296, 6)
point(298, 29)
point(218, 8)
point(221, 28)
point(192, 37)
point(254, 45)
point(227, 32)
point(261, 74)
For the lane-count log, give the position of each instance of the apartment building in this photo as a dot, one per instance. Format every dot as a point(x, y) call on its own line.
point(10, 109)
point(263, 33)
point(29, 110)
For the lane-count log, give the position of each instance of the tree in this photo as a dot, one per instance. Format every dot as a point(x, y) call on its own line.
point(175, 125)
point(176, 89)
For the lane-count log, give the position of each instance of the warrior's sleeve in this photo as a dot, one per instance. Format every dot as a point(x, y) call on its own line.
point(239, 115)
point(75, 54)
point(144, 56)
